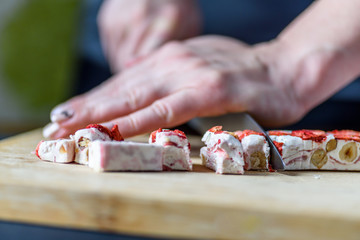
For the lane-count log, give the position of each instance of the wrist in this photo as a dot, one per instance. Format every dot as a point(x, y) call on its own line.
point(282, 74)
point(310, 74)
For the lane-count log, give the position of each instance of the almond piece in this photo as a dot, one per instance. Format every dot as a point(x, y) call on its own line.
point(83, 143)
point(62, 150)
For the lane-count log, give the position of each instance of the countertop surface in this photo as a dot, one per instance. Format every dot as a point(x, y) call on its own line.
point(197, 204)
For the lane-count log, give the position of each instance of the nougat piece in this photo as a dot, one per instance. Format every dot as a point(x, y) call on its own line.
point(223, 152)
point(125, 156)
point(176, 149)
point(91, 133)
point(318, 150)
point(344, 151)
point(58, 151)
point(301, 149)
point(256, 149)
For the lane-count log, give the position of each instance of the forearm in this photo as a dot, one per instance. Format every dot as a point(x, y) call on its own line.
point(319, 53)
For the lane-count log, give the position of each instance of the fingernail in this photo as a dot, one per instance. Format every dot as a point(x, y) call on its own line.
point(60, 114)
point(50, 129)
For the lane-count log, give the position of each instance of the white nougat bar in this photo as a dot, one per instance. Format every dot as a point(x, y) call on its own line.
point(125, 156)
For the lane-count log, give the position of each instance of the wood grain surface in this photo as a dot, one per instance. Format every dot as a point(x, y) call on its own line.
point(198, 204)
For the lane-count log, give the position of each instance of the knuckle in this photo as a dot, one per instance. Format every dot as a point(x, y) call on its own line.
point(95, 112)
point(163, 111)
point(171, 46)
point(216, 83)
point(175, 48)
point(132, 99)
point(198, 63)
point(133, 123)
point(216, 78)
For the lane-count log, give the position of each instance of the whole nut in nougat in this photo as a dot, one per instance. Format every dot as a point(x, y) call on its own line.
point(348, 152)
point(331, 145)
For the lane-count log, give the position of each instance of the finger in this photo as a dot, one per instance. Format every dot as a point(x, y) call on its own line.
point(112, 87)
point(115, 42)
point(102, 28)
point(66, 110)
point(110, 107)
point(128, 48)
point(110, 26)
point(161, 30)
point(107, 108)
point(151, 34)
point(164, 28)
point(170, 111)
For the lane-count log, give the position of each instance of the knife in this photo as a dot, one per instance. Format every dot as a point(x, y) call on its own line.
point(239, 121)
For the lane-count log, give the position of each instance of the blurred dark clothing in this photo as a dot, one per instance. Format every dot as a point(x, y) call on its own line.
point(251, 21)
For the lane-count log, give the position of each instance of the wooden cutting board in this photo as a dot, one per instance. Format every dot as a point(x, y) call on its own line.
point(198, 204)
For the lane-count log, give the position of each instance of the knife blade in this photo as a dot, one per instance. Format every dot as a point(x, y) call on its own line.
point(240, 121)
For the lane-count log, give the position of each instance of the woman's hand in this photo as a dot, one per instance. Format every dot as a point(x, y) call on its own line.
point(132, 29)
point(277, 82)
point(204, 76)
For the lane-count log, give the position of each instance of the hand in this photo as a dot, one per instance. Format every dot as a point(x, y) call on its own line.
point(132, 29)
point(204, 76)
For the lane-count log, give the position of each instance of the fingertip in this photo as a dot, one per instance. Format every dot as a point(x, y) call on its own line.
point(50, 129)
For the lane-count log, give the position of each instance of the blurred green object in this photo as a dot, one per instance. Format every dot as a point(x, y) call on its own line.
point(38, 55)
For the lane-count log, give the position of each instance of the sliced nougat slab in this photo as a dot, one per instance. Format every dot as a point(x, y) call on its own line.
point(176, 149)
point(344, 150)
point(315, 149)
